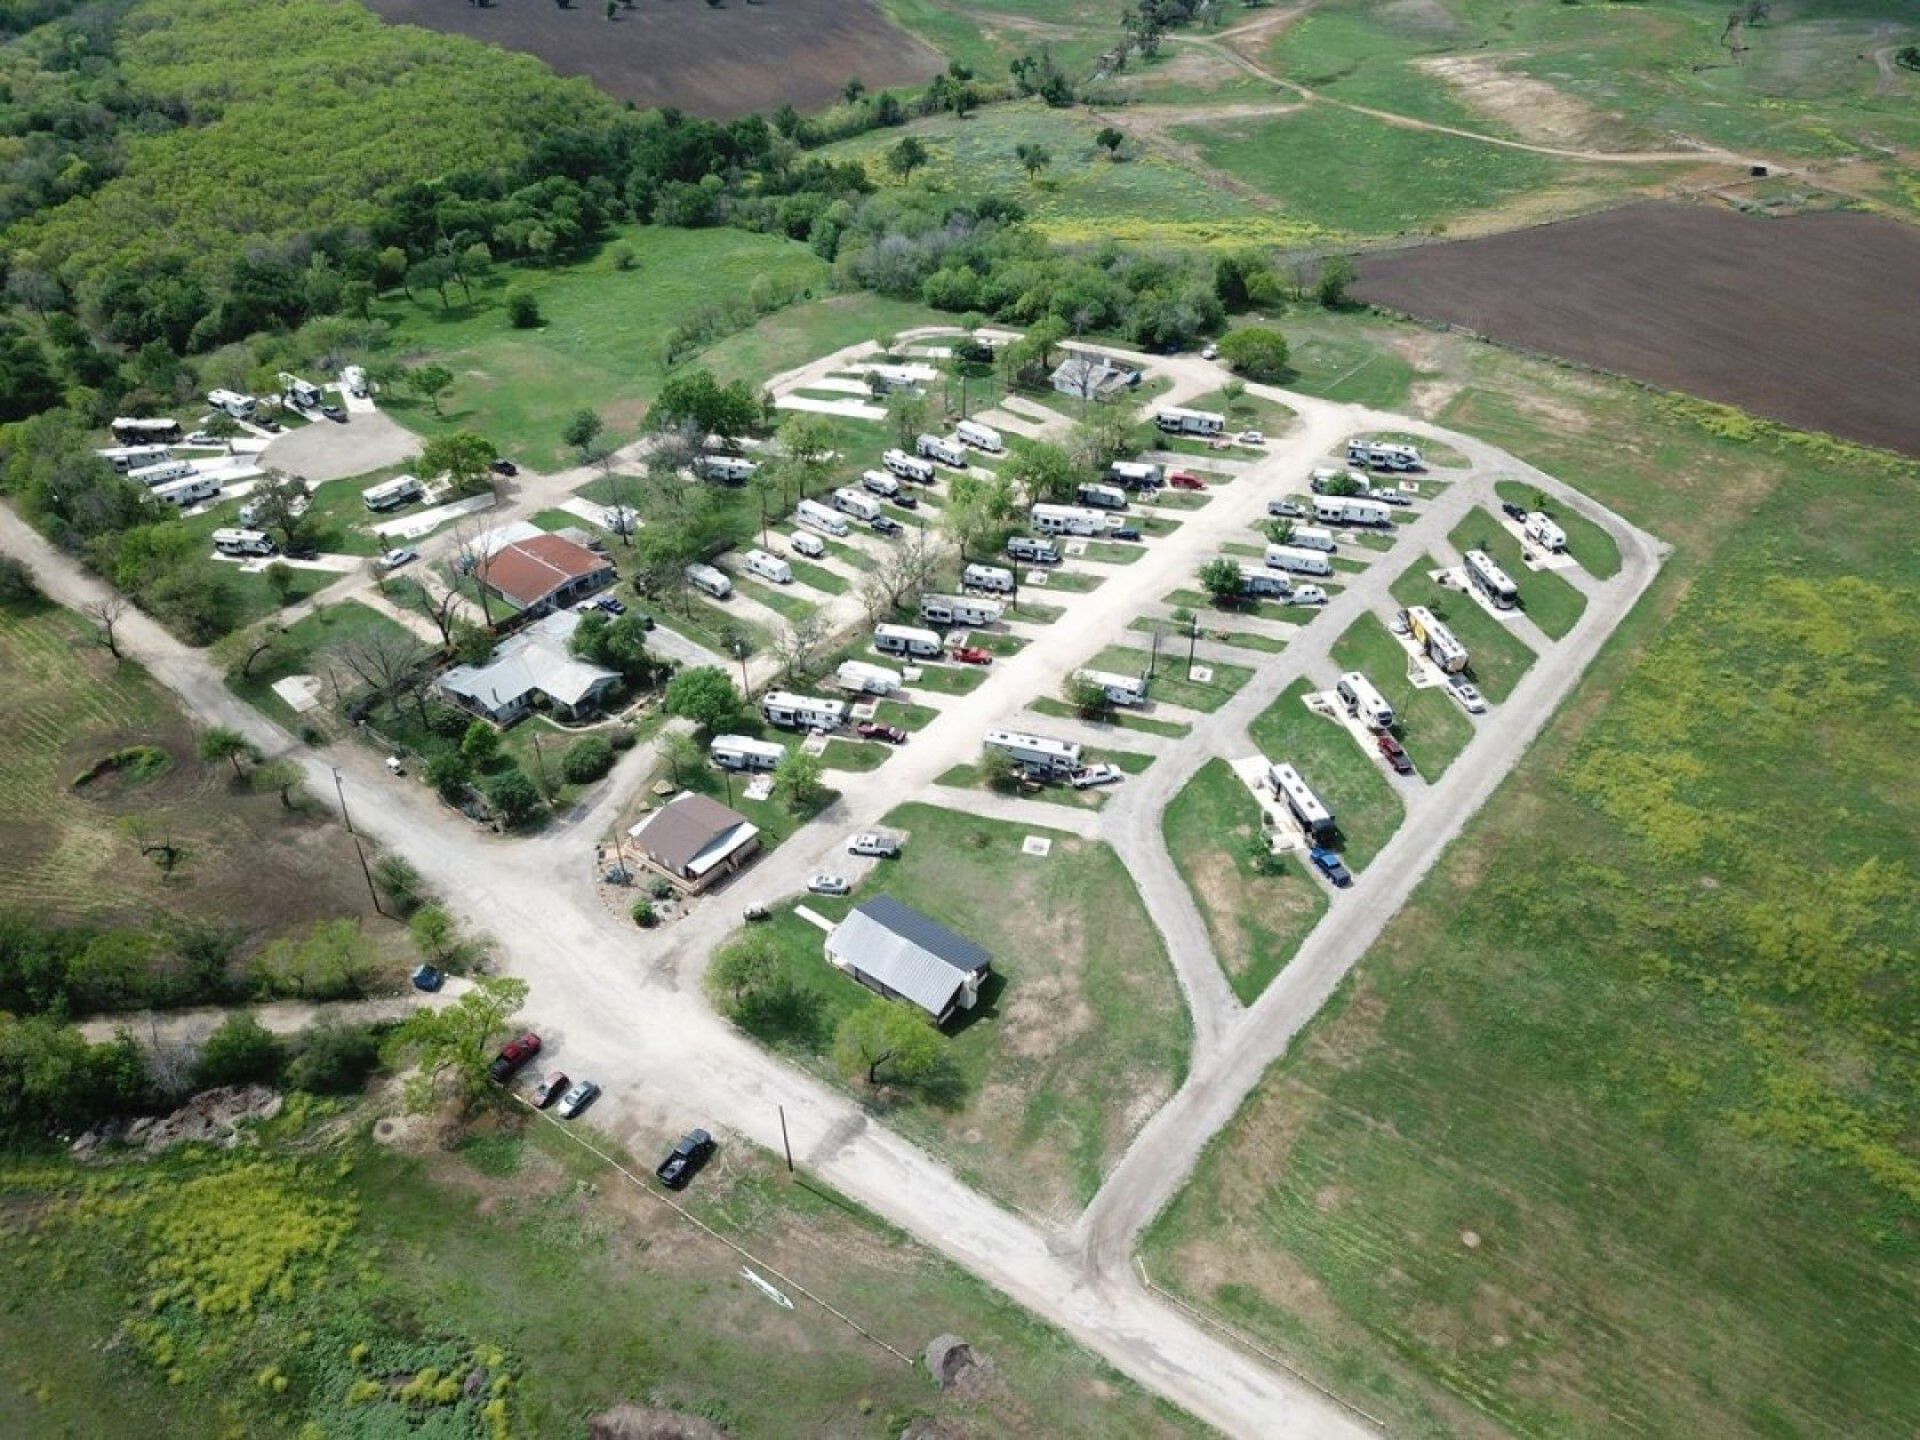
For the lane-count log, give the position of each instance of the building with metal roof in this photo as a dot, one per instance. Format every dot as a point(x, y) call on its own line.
point(897, 952)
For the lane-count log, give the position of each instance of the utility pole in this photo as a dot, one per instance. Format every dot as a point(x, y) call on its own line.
point(740, 654)
point(341, 791)
point(785, 1144)
point(540, 764)
point(365, 870)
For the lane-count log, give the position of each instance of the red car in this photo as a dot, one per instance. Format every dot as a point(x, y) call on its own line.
point(971, 655)
point(873, 730)
point(1395, 753)
point(1186, 480)
point(516, 1054)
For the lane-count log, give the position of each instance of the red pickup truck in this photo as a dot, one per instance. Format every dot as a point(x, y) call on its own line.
point(1395, 753)
point(1186, 480)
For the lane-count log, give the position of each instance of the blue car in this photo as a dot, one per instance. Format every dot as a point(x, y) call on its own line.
point(1329, 864)
point(425, 977)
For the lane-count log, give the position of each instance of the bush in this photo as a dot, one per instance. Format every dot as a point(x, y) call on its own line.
point(16, 583)
point(523, 311)
point(587, 760)
point(623, 256)
point(513, 796)
point(1257, 351)
point(241, 1052)
point(399, 882)
point(333, 1058)
point(644, 915)
point(623, 740)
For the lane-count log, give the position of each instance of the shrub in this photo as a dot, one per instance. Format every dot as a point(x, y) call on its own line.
point(623, 256)
point(399, 881)
point(587, 760)
point(643, 914)
point(623, 740)
point(241, 1052)
point(523, 311)
point(16, 583)
point(333, 1058)
point(513, 796)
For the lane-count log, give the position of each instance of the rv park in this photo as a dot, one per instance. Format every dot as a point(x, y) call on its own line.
point(1337, 690)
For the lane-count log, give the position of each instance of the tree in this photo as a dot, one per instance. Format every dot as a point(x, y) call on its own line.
point(223, 743)
point(881, 1036)
point(465, 458)
point(430, 382)
point(797, 779)
point(1110, 139)
point(583, 434)
point(332, 960)
point(391, 665)
point(1220, 578)
point(1088, 697)
point(998, 769)
point(513, 796)
point(906, 156)
point(682, 754)
point(1256, 351)
point(700, 402)
point(1279, 532)
point(450, 773)
point(455, 1043)
point(433, 932)
point(747, 967)
point(586, 760)
point(357, 297)
point(704, 695)
point(480, 744)
point(798, 642)
point(105, 614)
point(280, 506)
point(807, 443)
point(907, 411)
point(1336, 276)
point(853, 90)
point(1044, 472)
point(280, 776)
point(333, 1058)
point(281, 579)
point(1233, 392)
point(523, 311)
point(1908, 56)
point(1102, 437)
point(241, 1051)
point(1033, 158)
point(17, 585)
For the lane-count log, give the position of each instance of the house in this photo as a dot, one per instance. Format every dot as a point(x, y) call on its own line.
point(535, 669)
point(899, 953)
point(1087, 376)
point(543, 572)
point(695, 841)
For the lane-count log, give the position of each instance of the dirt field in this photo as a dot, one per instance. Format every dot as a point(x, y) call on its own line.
point(1801, 318)
point(718, 61)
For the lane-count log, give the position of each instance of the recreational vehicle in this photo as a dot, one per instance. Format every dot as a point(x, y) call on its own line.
point(1351, 510)
point(190, 491)
point(1541, 530)
point(958, 610)
point(1298, 561)
point(1067, 520)
point(1356, 692)
point(980, 437)
point(729, 469)
point(392, 494)
point(987, 577)
point(879, 482)
point(133, 457)
point(1032, 549)
point(867, 679)
point(1175, 421)
point(240, 407)
point(907, 640)
point(1134, 475)
point(163, 473)
point(354, 381)
point(1102, 497)
point(1490, 580)
point(815, 516)
point(811, 546)
point(301, 394)
point(743, 752)
point(1039, 752)
point(1382, 455)
point(242, 542)
point(1120, 689)
point(1260, 582)
point(908, 467)
point(854, 503)
point(802, 712)
point(1306, 808)
point(947, 452)
point(767, 567)
point(1438, 641)
point(133, 430)
point(709, 581)
point(1311, 537)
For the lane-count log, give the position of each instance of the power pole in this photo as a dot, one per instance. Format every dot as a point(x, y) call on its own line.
point(367, 871)
point(785, 1144)
point(341, 791)
point(540, 764)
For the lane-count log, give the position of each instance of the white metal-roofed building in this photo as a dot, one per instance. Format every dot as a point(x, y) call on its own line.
point(526, 668)
point(895, 951)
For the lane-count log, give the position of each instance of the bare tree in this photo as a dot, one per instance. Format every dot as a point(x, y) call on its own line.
point(441, 607)
point(393, 667)
point(470, 559)
point(105, 614)
point(799, 643)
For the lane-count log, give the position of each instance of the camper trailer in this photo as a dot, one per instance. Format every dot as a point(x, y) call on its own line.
point(802, 712)
point(301, 394)
point(1297, 561)
point(354, 381)
point(867, 679)
point(246, 543)
point(133, 457)
point(1175, 421)
point(908, 467)
point(1120, 689)
point(907, 640)
point(811, 546)
point(1438, 641)
point(947, 452)
point(728, 469)
point(1306, 808)
point(164, 473)
point(1351, 510)
point(1356, 692)
point(980, 437)
point(1541, 530)
point(1032, 549)
point(743, 752)
point(709, 581)
point(958, 610)
point(1134, 475)
point(182, 493)
point(1102, 497)
point(1311, 537)
point(1067, 520)
point(879, 482)
point(392, 494)
point(1263, 583)
point(987, 577)
point(767, 567)
point(1491, 581)
point(852, 502)
point(1382, 455)
point(1038, 752)
point(135, 431)
point(815, 516)
point(240, 407)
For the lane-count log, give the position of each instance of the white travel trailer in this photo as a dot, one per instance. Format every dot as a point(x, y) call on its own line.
point(815, 516)
point(133, 457)
point(1120, 689)
point(908, 467)
point(1134, 475)
point(1041, 752)
point(1383, 455)
point(182, 493)
point(1306, 807)
point(1311, 537)
point(867, 679)
point(958, 610)
point(1103, 497)
point(240, 407)
point(392, 494)
point(1358, 695)
point(879, 482)
point(354, 381)
point(1351, 510)
point(812, 546)
point(852, 502)
point(1261, 582)
point(164, 473)
point(1176, 421)
point(1540, 529)
point(767, 567)
point(1491, 581)
point(242, 542)
point(744, 752)
point(1439, 642)
point(1067, 520)
point(987, 577)
point(947, 452)
point(731, 469)
point(709, 580)
point(907, 640)
point(1032, 549)
point(1297, 561)
point(802, 712)
point(980, 437)
point(134, 430)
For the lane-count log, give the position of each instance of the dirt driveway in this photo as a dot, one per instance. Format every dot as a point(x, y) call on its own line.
point(325, 450)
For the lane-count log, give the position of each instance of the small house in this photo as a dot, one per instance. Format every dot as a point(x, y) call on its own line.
point(695, 841)
point(1088, 376)
point(900, 954)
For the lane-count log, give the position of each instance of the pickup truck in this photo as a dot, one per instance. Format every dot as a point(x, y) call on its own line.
point(1395, 754)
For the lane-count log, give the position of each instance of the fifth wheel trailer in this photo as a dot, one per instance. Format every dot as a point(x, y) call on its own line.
point(743, 752)
point(1067, 520)
point(1305, 806)
point(1176, 421)
point(947, 452)
point(1540, 529)
point(908, 467)
point(1300, 562)
point(1490, 580)
point(1357, 693)
point(1439, 642)
point(907, 640)
point(1060, 757)
point(958, 610)
point(802, 712)
point(815, 516)
point(1351, 510)
point(1120, 689)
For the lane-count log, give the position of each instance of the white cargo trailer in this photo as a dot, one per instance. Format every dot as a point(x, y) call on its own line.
point(1297, 561)
point(980, 437)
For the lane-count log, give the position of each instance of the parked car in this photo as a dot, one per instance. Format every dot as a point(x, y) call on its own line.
point(504, 467)
point(1513, 511)
point(550, 1089)
point(756, 912)
point(1389, 495)
point(1469, 696)
point(1125, 532)
point(272, 427)
point(1209, 352)
point(874, 730)
point(334, 412)
point(685, 1159)
point(971, 655)
point(1250, 437)
point(1186, 480)
point(824, 884)
point(202, 437)
point(872, 842)
point(884, 525)
point(611, 604)
point(1292, 509)
point(1329, 864)
point(394, 559)
point(1089, 776)
point(428, 978)
point(1309, 595)
point(1395, 754)
point(906, 501)
point(515, 1054)
point(577, 1099)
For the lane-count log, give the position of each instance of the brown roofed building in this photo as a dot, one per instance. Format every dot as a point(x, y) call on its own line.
point(544, 572)
point(694, 841)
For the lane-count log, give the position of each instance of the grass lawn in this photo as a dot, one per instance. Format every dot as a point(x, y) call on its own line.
point(1155, 525)
point(303, 649)
point(1255, 921)
point(1073, 582)
point(971, 777)
point(1550, 602)
point(995, 642)
point(709, 623)
point(1587, 543)
point(1431, 723)
point(1032, 612)
point(1249, 412)
point(1107, 552)
point(1171, 499)
point(1170, 683)
point(907, 716)
point(1075, 1041)
point(778, 598)
point(818, 577)
point(1118, 718)
point(950, 679)
point(1365, 806)
point(1499, 657)
point(855, 754)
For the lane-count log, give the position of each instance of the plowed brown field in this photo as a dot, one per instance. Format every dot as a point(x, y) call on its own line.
point(1809, 319)
point(718, 61)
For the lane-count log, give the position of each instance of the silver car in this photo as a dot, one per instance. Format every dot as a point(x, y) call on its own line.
point(577, 1099)
point(828, 885)
point(1469, 696)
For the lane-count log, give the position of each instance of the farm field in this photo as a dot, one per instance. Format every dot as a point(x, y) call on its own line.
point(1785, 317)
point(507, 1252)
point(714, 61)
point(1074, 1042)
point(1714, 1158)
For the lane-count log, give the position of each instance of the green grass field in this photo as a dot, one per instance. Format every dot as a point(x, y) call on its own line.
point(1365, 806)
point(1433, 726)
point(1169, 683)
point(1498, 657)
point(1119, 719)
point(304, 648)
point(1072, 1045)
point(1549, 600)
point(1256, 921)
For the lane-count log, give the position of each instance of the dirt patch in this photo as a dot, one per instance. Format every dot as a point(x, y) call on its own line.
point(631, 1422)
point(1531, 109)
point(720, 61)
point(957, 1368)
point(1787, 317)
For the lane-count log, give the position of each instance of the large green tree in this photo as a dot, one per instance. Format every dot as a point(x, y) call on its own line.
point(454, 1044)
